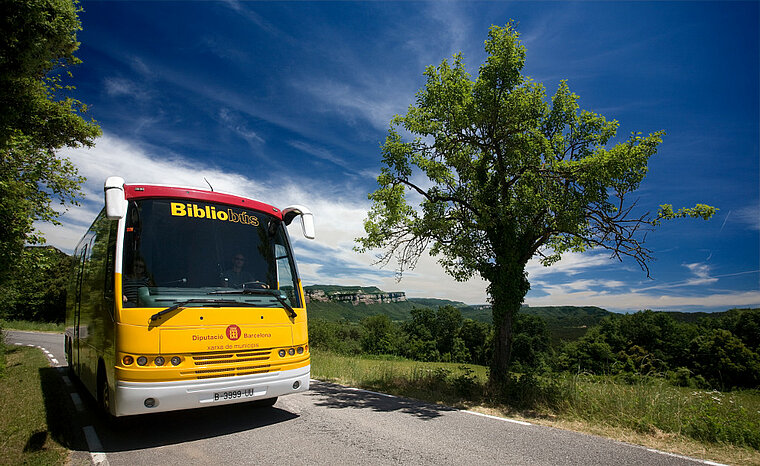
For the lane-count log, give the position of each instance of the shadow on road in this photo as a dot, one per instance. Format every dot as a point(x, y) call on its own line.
point(337, 396)
point(151, 430)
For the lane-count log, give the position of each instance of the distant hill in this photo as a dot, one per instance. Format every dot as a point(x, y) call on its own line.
point(565, 323)
point(436, 302)
point(335, 311)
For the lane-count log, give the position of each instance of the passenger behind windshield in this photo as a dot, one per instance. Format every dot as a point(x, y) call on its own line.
point(134, 281)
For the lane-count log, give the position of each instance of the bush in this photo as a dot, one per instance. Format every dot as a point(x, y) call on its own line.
point(466, 385)
point(709, 420)
point(531, 391)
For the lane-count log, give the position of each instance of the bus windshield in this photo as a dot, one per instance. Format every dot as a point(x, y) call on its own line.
point(194, 252)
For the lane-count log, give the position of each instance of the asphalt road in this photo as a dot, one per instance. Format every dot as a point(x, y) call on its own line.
point(331, 424)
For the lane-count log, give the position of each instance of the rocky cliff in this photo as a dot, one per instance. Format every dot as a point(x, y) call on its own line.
point(353, 296)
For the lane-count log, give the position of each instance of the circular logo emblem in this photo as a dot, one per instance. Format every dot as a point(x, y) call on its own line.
point(233, 332)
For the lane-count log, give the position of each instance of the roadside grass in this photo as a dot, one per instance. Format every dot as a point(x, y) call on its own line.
point(35, 419)
point(31, 326)
point(648, 411)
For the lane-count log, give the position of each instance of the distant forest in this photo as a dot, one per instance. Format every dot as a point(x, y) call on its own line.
point(703, 350)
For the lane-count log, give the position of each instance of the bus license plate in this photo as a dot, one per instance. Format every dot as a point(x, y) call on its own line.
point(234, 394)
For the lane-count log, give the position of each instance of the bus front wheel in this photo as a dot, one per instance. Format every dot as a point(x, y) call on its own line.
point(104, 394)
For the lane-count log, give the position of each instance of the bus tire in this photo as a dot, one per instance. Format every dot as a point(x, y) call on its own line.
point(265, 403)
point(104, 397)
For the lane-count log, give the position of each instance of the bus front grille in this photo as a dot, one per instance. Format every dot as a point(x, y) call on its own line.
point(236, 363)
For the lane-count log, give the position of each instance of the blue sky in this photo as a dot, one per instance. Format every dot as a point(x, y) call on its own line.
point(288, 102)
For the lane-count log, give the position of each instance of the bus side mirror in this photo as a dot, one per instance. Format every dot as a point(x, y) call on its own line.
point(307, 219)
point(116, 203)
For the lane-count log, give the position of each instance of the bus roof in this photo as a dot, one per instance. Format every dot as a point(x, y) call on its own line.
point(144, 191)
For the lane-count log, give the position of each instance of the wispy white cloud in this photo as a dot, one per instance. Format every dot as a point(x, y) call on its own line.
point(635, 301)
point(116, 86)
point(244, 9)
point(570, 264)
point(748, 216)
point(321, 153)
point(701, 272)
point(376, 103)
point(237, 126)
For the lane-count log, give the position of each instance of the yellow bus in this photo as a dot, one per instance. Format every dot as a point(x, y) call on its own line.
point(182, 298)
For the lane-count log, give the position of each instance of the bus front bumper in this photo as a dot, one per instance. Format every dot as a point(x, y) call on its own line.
point(152, 397)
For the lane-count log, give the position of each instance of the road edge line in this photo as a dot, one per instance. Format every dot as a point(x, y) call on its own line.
point(96, 448)
point(505, 419)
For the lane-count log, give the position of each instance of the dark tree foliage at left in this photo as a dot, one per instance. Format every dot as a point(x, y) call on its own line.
point(38, 117)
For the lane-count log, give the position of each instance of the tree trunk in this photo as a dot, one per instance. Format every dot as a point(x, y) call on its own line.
point(507, 291)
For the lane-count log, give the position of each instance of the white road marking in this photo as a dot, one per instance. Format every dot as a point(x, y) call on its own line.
point(522, 423)
point(96, 448)
point(367, 391)
point(685, 457)
point(77, 401)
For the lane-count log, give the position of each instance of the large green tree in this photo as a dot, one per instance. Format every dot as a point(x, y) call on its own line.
point(507, 176)
point(38, 116)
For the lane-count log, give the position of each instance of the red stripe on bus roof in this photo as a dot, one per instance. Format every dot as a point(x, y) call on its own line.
point(143, 191)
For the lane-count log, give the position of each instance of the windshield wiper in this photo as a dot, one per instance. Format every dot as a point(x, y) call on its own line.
point(261, 292)
point(182, 304)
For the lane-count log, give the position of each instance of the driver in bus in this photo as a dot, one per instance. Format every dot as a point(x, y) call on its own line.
point(237, 275)
point(132, 282)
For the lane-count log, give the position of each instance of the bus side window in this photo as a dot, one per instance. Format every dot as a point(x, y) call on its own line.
point(108, 285)
point(285, 277)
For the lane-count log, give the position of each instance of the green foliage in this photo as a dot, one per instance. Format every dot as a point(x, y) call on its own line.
point(340, 337)
point(716, 417)
point(531, 350)
point(436, 336)
point(511, 175)
point(478, 338)
point(688, 351)
point(688, 354)
point(37, 117)
point(723, 359)
point(36, 288)
point(380, 335)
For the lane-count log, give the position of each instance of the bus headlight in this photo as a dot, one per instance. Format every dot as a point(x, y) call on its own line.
point(291, 351)
point(300, 350)
point(281, 353)
point(142, 360)
point(159, 360)
point(127, 360)
point(175, 361)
